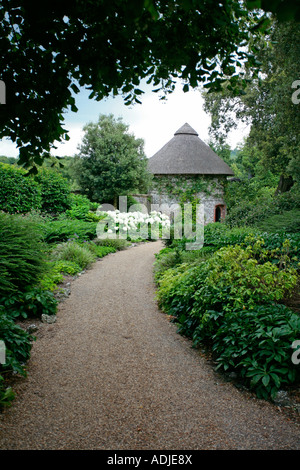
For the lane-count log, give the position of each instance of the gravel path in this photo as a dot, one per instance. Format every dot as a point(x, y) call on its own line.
point(112, 373)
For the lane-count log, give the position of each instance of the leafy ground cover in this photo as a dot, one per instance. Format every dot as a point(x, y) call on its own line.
point(232, 296)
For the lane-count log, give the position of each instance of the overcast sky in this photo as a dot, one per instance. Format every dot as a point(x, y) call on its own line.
point(154, 120)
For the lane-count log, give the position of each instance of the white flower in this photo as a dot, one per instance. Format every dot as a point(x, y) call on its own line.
point(130, 221)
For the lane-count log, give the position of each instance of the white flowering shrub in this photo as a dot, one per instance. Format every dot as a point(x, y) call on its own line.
point(134, 225)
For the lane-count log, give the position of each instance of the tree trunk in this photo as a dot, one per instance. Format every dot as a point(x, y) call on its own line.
point(285, 184)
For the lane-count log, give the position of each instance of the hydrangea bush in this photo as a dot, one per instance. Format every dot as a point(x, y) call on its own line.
point(134, 225)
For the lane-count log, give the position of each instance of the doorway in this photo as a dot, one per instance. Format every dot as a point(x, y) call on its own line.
point(219, 212)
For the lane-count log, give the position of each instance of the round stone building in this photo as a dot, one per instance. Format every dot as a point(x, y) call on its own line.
point(186, 169)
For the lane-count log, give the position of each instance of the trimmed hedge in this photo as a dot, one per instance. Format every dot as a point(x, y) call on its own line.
point(47, 191)
point(55, 191)
point(18, 193)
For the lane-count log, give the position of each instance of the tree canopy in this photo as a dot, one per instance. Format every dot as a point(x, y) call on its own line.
point(267, 105)
point(51, 49)
point(111, 161)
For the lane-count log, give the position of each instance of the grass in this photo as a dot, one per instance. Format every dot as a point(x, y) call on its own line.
point(73, 252)
point(22, 253)
point(117, 243)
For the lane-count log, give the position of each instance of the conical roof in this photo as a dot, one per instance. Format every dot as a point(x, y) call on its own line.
point(187, 154)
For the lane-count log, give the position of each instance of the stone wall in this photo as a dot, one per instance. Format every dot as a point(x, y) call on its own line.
point(168, 190)
point(144, 199)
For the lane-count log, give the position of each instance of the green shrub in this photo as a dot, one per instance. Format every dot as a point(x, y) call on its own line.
point(249, 212)
point(169, 259)
point(55, 191)
point(7, 394)
point(251, 202)
point(257, 345)
point(279, 248)
point(92, 217)
point(289, 200)
point(22, 253)
point(99, 251)
point(178, 280)
point(215, 235)
point(231, 279)
point(70, 258)
point(82, 208)
point(80, 255)
point(72, 251)
point(18, 345)
point(276, 240)
point(79, 200)
point(48, 191)
point(18, 193)
point(211, 299)
point(117, 243)
point(219, 234)
point(173, 257)
point(288, 221)
point(78, 212)
point(32, 303)
point(63, 230)
point(55, 275)
point(67, 267)
point(52, 278)
point(172, 242)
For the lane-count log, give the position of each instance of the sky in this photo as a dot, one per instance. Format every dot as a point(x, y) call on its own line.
point(154, 121)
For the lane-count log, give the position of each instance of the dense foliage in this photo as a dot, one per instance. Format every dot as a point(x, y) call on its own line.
point(55, 191)
point(111, 162)
point(230, 297)
point(21, 253)
point(51, 50)
point(48, 191)
point(18, 346)
point(23, 264)
point(268, 107)
point(65, 229)
point(265, 192)
point(82, 208)
point(257, 344)
point(18, 193)
point(254, 203)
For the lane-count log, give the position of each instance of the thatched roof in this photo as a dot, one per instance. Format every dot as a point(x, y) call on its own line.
point(187, 154)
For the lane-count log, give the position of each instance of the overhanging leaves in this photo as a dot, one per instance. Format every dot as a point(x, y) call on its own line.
point(49, 50)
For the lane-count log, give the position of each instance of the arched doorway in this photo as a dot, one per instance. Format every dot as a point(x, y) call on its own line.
point(219, 212)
